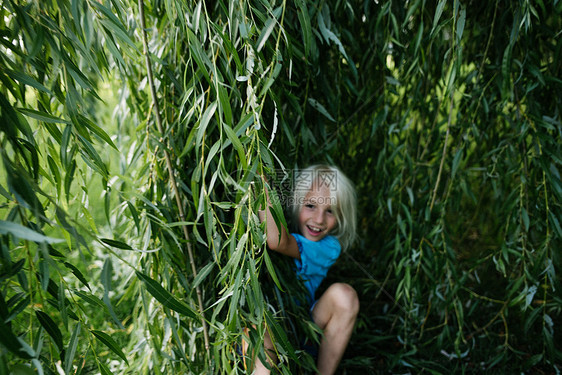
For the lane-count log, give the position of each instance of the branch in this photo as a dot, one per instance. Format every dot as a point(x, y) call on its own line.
point(170, 168)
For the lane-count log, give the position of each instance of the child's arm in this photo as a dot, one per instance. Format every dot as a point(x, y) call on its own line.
point(278, 238)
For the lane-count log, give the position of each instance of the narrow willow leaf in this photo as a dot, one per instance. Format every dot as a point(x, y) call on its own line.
point(556, 223)
point(265, 33)
point(271, 269)
point(62, 302)
point(55, 173)
point(77, 273)
point(460, 24)
point(90, 298)
point(320, 108)
point(203, 61)
point(210, 155)
point(19, 307)
point(65, 142)
point(235, 257)
point(69, 177)
point(104, 370)
point(106, 276)
point(456, 161)
point(96, 130)
point(75, 14)
point(530, 295)
point(171, 321)
point(111, 17)
point(119, 32)
point(165, 298)
point(202, 274)
point(236, 295)
point(9, 117)
point(115, 243)
point(304, 20)
point(110, 44)
point(110, 343)
point(27, 80)
point(438, 13)
point(330, 36)
point(205, 119)
point(91, 154)
point(134, 214)
point(13, 269)
point(24, 233)
point(525, 217)
point(233, 138)
point(11, 342)
point(51, 327)
point(505, 69)
point(225, 104)
point(280, 335)
point(42, 116)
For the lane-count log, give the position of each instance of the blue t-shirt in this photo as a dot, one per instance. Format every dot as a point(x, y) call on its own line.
point(316, 259)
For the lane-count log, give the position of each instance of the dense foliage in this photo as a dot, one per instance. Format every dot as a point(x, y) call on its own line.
point(132, 137)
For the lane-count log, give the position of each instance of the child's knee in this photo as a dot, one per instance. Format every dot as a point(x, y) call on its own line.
point(345, 298)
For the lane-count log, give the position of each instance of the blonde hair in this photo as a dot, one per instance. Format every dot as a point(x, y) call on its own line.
point(342, 194)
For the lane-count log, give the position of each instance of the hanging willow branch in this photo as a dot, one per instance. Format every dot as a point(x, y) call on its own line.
point(170, 168)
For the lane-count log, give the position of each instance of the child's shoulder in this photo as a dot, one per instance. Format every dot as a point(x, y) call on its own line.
point(328, 241)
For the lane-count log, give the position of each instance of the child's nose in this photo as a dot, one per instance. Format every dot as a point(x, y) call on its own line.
point(319, 217)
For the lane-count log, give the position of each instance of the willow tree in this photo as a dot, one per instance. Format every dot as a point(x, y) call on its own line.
point(172, 237)
point(133, 136)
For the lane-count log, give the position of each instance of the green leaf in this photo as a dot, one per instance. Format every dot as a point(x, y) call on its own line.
point(456, 161)
point(271, 269)
point(106, 276)
point(110, 343)
point(24, 233)
point(233, 138)
point(104, 370)
point(65, 142)
point(51, 327)
point(460, 24)
point(165, 298)
point(304, 20)
point(90, 298)
point(115, 243)
point(320, 108)
point(556, 224)
point(438, 13)
point(27, 80)
point(265, 32)
point(203, 61)
point(9, 117)
point(11, 342)
point(525, 217)
point(97, 131)
point(202, 274)
point(90, 154)
point(77, 273)
point(225, 104)
point(205, 119)
point(42, 116)
point(62, 301)
point(280, 335)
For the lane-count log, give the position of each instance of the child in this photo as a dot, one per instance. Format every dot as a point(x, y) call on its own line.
point(323, 206)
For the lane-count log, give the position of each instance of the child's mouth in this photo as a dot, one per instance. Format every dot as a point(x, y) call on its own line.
point(314, 231)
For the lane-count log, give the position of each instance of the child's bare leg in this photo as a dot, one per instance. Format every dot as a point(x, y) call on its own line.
point(259, 368)
point(335, 313)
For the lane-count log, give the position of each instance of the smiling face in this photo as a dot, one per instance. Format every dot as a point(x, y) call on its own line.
point(317, 217)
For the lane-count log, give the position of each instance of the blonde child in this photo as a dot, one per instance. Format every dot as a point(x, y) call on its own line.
point(323, 209)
